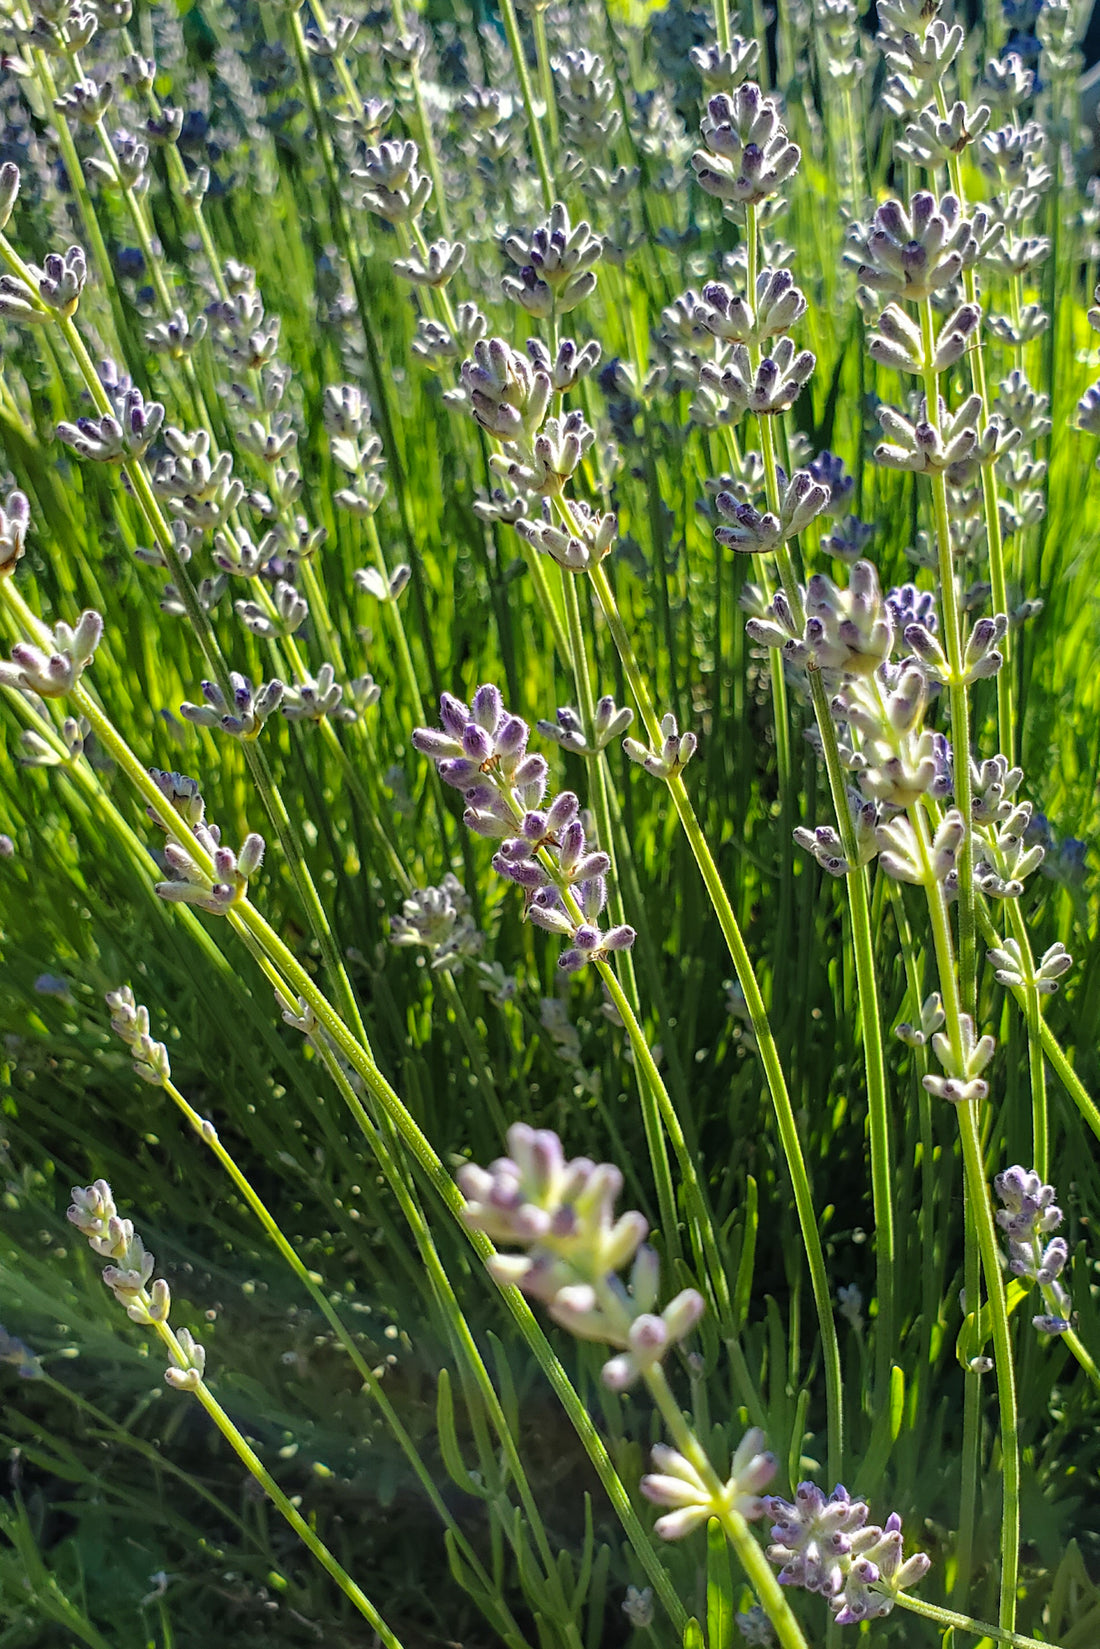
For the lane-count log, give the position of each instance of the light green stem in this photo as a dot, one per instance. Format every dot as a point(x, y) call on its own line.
point(258, 934)
point(958, 695)
point(966, 1623)
point(255, 1466)
point(1060, 1065)
point(209, 1136)
point(769, 1053)
point(1033, 1014)
point(546, 74)
point(978, 1194)
point(1006, 710)
point(519, 62)
point(655, 1137)
point(878, 1112)
point(759, 1571)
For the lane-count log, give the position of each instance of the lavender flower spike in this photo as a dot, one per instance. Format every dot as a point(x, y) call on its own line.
point(1028, 1217)
point(827, 1546)
point(481, 749)
point(563, 1214)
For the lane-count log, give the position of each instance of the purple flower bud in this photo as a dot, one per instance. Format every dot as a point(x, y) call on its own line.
point(453, 714)
point(476, 743)
point(563, 810)
point(487, 707)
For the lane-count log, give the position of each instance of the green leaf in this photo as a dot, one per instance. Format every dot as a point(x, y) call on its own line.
point(719, 1588)
point(448, 1441)
point(742, 1288)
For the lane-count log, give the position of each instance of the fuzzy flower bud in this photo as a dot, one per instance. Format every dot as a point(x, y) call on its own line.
point(963, 1066)
point(773, 387)
point(396, 189)
point(678, 1484)
point(439, 919)
point(673, 756)
point(753, 533)
point(556, 266)
point(52, 675)
point(1027, 1218)
point(15, 518)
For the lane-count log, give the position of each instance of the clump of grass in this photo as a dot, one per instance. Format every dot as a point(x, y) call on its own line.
point(356, 366)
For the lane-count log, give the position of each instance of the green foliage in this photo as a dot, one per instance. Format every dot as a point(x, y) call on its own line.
point(127, 1517)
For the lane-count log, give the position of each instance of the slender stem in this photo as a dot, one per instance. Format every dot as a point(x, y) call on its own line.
point(655, 1138)
point(209, 1136)
point(978, 1195)
point(958, 695)
point(878, 1113)
point(474, 1049)
point(404, 651)
point(746, 975)
point(260, 937)
point(966, 1623)
point(784, 1112)
point(546, 74)
point(759, 1571)
point(255, 1466)
point(519, 61)
point(971, 1456)
point(1033, 1015)
point(138, 476)
point(1086, 1361)
point(1060, 1065)
point(1006, 710)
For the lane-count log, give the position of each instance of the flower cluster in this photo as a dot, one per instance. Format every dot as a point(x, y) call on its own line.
point(53, 674)
point(439, 919)
point(562, 1213)
point(963, 1059)
point(481, 750)
point(686, 1487)
point(670, 757)
point(188, 883)
point(129, 1276)
point(826, 1545)
point(609, 722)
point(748, 154)
point(1027, 1218)
point(244, 715)
point(556, 265)
point(130, 1021)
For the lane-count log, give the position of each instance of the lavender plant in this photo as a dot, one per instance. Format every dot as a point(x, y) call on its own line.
point(758, 603)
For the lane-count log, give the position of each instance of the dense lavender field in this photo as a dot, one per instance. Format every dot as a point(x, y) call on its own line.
point(549, 755)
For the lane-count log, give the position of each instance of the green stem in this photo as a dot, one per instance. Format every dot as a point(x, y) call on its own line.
point(878, 1112)
point(261, 938)
point(978, 1195)
point(1060, 1065)
point(1083, 1357)
point(958, 695)
point(519, 62)
point(1006, 710)
point(474, 1049)
point(769, 1053)
point(966, 1623)
point(1033, 1015)
point(209, 1136)
point(759, 1571)
point(255, 1466)
point(546, 75)
point(655, 1138)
